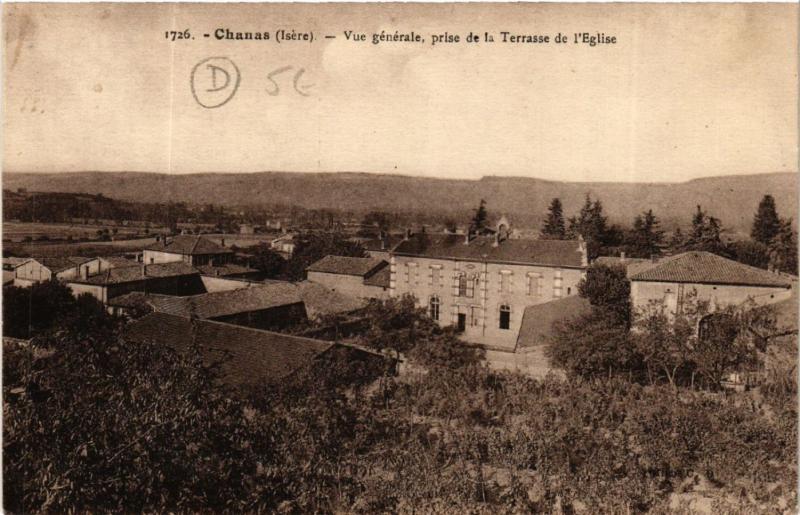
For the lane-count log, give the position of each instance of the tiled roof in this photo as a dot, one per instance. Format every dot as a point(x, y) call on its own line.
point(559, 253)
point(137, 273)
point(223, 270)
point(537, 321)
point(346, 265)
point(59, 264)
point(320, 300)
point(231, 302)
point(188, 245)
point(243, 356)
point(379, 278)
point(707, 268)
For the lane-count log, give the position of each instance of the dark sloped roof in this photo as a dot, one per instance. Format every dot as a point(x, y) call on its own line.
point(137, 273)
point(231, 302)
point(320, 300)
point(537, 321)
point(560, 253)
point(382, 245)
point(59, 264)
point(188, 245)
point(244, 356)
point(346, 265)
point(707, 268)
point(223, 270)
point(379, 278)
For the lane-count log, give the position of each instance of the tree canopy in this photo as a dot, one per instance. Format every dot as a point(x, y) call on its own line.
point(554, 227)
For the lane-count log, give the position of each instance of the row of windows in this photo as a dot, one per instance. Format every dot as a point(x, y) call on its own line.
point(434, 309)
point(466, 284)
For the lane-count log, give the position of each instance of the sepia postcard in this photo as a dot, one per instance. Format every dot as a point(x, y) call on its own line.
point(400, 258)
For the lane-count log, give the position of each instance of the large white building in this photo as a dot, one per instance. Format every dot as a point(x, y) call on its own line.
point(482, 284)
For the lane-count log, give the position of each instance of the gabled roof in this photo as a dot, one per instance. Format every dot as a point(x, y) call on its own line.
point(59, 264)
point(243, 356)
point(14, 261)
point(138, 273)
point(224, 303)
point(347, 265)
point(186, 244)
point(556, 253)
point(707, 268)
point(537, 321)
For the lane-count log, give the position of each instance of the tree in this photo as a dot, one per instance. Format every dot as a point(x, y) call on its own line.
point(267, 261)
point(43, 306)
point(554, 227)
point(706, 234)
point(782, 248)
point(751, 253)
point(607, 288)
point(593, 345)
point(766, 223)
point(646, 236)
point(591, 224)
point(480, 218)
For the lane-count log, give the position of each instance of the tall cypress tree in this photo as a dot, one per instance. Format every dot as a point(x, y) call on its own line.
point(766, 224)
point(480, 218)
point(554, 227)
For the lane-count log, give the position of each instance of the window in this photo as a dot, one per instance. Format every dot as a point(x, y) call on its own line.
point(505, 316)
point(466, 285)
point(434, 307)
point(435, 276)
point(504, 282)
point(534, 284)
point(152, 260)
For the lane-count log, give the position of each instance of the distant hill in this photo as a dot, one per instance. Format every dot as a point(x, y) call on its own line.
point(733, 199)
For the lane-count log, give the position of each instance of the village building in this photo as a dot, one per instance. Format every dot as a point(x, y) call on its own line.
point(228, 270)
point(175, 278)
point(40, 269)
point(10, 265)
point(244, 357)
point(382, 246)
point(482, 284)
point(354, 276)
point(267, 306)
point(706, 277)
point(193, 250)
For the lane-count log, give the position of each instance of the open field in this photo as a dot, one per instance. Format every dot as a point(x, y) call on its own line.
point(20, 231)
point(86, 249)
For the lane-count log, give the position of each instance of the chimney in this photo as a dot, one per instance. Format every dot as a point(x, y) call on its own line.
point(622, 256)
point(467, 236)
point(222, 242)
point(407, 234)
point(496, 242)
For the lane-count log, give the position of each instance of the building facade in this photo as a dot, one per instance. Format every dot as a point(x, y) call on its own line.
point(482, 284)
point(705, 277)
point(193, 250)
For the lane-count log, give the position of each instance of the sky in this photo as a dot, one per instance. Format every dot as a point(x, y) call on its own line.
point(688, 90)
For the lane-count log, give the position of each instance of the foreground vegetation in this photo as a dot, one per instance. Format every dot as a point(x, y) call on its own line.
point(94, 423)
